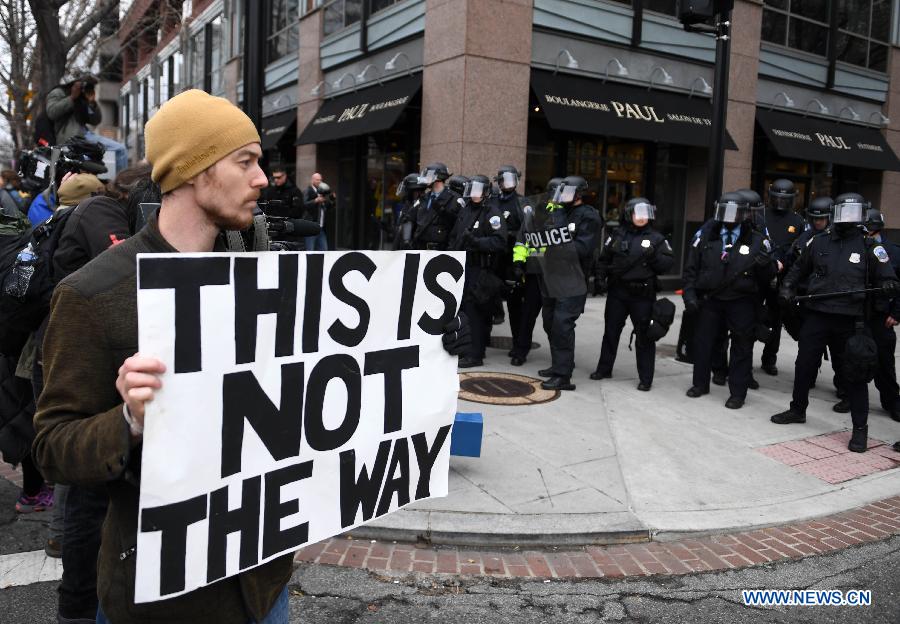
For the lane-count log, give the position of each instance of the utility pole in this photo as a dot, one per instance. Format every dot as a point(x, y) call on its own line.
point(254, 68)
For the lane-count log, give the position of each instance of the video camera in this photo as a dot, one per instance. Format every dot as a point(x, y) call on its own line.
point(43, 166)
point(286, 227)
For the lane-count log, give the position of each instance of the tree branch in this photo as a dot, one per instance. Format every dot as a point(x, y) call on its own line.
point(90, 22)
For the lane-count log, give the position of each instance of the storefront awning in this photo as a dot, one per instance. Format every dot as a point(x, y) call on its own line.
point(808, 138)
point(274, 127)
point(361, 112)
point(588, 105)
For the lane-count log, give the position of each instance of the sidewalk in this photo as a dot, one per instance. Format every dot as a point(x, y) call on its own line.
point(608, 464)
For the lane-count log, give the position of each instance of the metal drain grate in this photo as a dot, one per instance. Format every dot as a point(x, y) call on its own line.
point(503, 389)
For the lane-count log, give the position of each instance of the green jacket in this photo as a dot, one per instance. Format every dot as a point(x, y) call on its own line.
point(61, 109)
point(82, 438)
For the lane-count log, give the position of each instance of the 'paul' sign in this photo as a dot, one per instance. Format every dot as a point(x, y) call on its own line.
point(305, 394)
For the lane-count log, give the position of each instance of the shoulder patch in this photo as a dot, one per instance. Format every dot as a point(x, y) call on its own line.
point(495, 222)
point(881, 253)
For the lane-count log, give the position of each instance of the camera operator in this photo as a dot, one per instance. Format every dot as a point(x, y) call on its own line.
point(284, 196)
point(73, 105)
point(317, 199)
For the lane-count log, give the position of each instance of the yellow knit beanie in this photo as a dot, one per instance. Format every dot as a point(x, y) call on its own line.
point(78, 188)
point(190, 133)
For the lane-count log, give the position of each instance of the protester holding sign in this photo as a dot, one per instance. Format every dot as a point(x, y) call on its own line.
point(204, 153)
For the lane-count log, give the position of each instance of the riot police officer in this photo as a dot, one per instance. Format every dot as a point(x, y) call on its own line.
point(526, 273)
point(885, 314)
point(783, 226)
point(480, 231)
point(409, 191)
point(435, 215)
point(569, 235)
point(457, 183)
point(631, 260)
point(838, 262)
point(728, 261)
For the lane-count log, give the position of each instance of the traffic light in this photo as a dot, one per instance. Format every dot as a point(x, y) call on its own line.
point(697, 11)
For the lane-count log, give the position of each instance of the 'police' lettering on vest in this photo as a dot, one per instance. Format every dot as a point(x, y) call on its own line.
point(548, 238)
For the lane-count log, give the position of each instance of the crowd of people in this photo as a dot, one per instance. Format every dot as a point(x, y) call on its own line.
point(72, 394)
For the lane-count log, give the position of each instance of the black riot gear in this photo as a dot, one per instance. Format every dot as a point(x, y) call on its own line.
point(756, 207)
point(435, 171)
point(781, 195)
point(477, 189)
point(819, 208)
point(732, 209)
point(570, 190)
point(412, 182)
point(552, 185)
point(457, 183)
point(874, 220)
point(848, 211)
point(640, 209)
point(507, 178)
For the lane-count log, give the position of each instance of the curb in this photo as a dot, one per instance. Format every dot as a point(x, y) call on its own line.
point(871, 523)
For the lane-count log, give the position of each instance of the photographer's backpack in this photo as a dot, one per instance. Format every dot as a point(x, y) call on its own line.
point(27, 281)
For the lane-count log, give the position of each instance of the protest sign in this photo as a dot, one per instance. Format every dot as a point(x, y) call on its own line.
point(304, 394)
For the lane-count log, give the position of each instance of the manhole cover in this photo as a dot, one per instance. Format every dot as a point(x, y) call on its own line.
point(505, 343)
point(503, 389)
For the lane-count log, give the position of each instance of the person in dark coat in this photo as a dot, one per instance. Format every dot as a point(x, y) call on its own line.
point(632, 259)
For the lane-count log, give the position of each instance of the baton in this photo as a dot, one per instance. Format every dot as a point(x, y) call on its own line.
point(843, 293)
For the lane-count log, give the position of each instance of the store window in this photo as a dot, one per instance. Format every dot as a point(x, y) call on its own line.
point(284, 28)
point(798, 24)
point(339, 14)
point(863, 33)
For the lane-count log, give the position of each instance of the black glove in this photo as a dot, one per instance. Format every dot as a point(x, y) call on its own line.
point(469, 241)
point(600, 287)
point(691, 306)
point(518, 271)
point(786, 296)
point(457, 336)
point(891, 287)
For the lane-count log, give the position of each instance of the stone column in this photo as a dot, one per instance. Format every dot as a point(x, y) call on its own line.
point(743, 76)
point(890, 180)
point(309, 75)
point(475, 84)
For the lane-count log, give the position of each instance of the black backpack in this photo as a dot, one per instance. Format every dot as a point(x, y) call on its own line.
point(27, 280)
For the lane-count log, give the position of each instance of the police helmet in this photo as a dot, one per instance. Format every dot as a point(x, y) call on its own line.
point(756, 206)
point(732, 208)
point(570, 189)
point(435, 171)
point(639, 208)
point(874, 220)
point(412, 182)
point(849, 208)
point(553, 184)
point(782, 194)
point(507, 178)
point(478, 188)
point(457, 183)
point(819, 208)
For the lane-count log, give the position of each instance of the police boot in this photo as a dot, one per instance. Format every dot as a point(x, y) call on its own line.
point(516, 360)
point(841, 407)
point(734, 402)
point(558, 383)
point(770, 369)
point(788, 417)
point(753, 385)
point(695, 392)
point(859, 439)
point(597, 375)
point(720, 378)
point(470, 362)
point(895, 414)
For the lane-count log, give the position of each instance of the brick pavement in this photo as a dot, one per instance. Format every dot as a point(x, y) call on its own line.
point(826, 457)
point(870, 523)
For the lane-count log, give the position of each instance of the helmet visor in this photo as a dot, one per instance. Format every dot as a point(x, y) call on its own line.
point(848, 212)
point(644, 211)
point(730, 212)
point(428, 176)
point(508, 180)
point(782, 201)
point(564, 194)
point(475, 190)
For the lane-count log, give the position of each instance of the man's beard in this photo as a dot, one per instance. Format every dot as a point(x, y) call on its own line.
point(239, 220)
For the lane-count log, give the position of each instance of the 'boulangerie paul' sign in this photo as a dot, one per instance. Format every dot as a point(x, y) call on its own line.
point(305, 394)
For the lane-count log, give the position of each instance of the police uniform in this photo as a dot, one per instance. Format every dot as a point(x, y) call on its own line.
point(561, 313)
point(433, 217)
point(885, 337)
point(833, 261)
point(783, 228)
point(480, 231)
point(630, 261)
point(524, 301)
point(725, 267)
